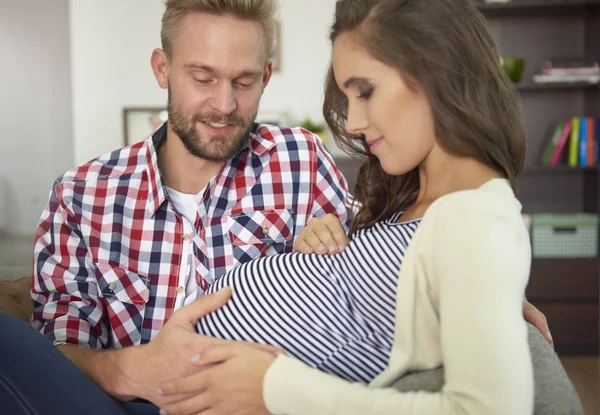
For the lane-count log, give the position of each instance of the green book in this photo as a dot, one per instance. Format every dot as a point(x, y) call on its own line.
point(552, 143)
point(574, 143)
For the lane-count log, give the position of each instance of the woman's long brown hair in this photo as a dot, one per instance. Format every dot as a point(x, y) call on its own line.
point(445, 46)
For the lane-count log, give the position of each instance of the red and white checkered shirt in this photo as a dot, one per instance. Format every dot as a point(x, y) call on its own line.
point(109, 245)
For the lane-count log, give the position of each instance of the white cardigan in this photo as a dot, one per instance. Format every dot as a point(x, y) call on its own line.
point(459, 304)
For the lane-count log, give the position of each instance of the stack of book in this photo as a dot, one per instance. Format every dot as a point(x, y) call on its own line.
point(574, 142)
point(568, 71)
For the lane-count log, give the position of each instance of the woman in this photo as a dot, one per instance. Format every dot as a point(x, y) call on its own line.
point(416, 87)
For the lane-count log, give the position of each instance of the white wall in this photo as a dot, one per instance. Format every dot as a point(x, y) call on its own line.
point(35, 109)
point(111, 44)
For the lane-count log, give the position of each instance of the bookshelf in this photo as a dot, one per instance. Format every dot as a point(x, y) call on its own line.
point(535, 7)
point(524, 87)
point(566, 290)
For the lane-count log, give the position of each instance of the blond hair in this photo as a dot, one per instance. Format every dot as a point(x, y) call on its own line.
point(261, 11)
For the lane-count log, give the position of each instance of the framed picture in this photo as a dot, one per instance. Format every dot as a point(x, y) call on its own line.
point(140, 123)
point(275, 55)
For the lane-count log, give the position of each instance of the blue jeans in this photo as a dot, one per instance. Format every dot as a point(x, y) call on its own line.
point(37, 379)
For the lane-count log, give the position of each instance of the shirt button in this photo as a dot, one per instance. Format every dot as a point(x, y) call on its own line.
point(112, 286)
point(180, 290)
point(186, 236)
point(266, 230)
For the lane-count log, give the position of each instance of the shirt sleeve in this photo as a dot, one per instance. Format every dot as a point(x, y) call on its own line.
point(480, 263)
point(67, 307)
point(330, 189)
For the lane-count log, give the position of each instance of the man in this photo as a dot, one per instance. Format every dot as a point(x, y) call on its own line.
point(128, 241)
point(131, 237)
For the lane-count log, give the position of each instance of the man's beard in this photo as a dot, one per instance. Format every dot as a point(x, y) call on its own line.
point(220, 147)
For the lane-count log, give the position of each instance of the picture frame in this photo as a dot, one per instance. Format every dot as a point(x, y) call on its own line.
point(140, 123)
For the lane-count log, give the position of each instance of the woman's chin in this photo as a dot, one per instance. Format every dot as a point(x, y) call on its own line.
point(395, 169)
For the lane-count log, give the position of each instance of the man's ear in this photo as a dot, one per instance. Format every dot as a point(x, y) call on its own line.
point(267, 74)
point(160, 67)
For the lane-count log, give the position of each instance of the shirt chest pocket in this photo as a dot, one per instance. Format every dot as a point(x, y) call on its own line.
point(125, 295)
point(254, 234)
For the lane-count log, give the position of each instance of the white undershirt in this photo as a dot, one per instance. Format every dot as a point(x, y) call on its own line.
point(187, 205)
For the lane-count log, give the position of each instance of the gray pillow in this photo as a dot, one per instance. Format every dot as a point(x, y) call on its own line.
point(554, 392)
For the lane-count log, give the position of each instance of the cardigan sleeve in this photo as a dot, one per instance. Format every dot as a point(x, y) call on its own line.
point(480, 257)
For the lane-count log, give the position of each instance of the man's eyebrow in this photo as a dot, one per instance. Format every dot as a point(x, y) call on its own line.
point(210, 69)
point(250, 73)
point(354, 80)
point(205, 68)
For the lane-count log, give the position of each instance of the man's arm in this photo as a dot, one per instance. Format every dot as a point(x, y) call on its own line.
point(65, 294)
point(112, 370)
point(69, 311)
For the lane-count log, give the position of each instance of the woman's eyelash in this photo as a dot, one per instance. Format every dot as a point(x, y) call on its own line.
point(366, 94)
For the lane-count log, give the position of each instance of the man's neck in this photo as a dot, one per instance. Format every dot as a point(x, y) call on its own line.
point(181, 170)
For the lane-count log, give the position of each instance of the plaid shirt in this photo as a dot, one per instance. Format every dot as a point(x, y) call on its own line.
point(109, 245)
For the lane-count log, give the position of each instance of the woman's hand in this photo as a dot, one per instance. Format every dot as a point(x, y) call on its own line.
point(231, 382)
point(323, 235)
point(538, 319)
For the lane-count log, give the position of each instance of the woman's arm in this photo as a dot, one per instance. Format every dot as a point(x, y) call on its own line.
point(480, 264)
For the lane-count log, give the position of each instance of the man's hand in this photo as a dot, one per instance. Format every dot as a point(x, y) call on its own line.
point(538, 319)
point(324, 235)
point(171, 355)
point(231, 383)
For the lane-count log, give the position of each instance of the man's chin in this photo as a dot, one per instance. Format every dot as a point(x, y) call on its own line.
point(214, 148)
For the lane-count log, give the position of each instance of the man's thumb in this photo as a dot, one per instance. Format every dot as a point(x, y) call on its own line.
point(204, 305)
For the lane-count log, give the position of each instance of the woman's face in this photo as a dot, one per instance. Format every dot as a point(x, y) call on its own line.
point(395, 119)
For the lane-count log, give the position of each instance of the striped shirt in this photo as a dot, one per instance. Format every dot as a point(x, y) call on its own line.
point(335, 312)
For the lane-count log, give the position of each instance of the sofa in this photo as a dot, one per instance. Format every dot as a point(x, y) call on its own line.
point(15, 299)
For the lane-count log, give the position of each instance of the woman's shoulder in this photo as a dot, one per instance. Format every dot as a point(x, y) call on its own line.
point(494, 198)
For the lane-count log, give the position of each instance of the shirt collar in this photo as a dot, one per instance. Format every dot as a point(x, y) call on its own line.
point(260, 141)
point(157, 191)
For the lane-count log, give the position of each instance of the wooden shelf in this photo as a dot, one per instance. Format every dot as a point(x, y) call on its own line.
point(564, 279)
point(533, 7)
point(561, 169)
point(563, 86)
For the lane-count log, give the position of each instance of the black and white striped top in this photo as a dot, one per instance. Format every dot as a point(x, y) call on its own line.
point(334, 312)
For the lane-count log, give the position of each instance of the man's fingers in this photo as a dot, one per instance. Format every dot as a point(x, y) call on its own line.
point(538, 319)
point(204, 305)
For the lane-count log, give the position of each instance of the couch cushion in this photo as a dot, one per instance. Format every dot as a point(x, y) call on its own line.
point(15, 298)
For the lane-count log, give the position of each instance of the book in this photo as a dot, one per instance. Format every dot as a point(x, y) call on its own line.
point(591, 151)
point(562, 143)
point(552, 143)
point(582, 157)
point(574, 143)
